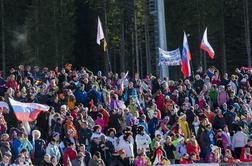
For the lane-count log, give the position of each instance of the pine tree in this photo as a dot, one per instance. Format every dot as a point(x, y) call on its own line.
point(51, 30)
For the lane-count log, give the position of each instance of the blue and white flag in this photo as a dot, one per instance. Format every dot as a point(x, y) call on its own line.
point(170, 58)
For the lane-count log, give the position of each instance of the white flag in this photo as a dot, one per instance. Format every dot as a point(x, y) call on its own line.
point(100, 34)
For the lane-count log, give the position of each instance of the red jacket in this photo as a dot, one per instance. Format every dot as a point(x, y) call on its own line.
point(193, 149)
point(244, 157)
point(160, 102)
point(184, 161)
point(12, 84)
point(69, 153)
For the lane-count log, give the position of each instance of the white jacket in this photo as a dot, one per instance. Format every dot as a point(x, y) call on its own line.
point(127, 147)
point(143, 141)
point(239, 140)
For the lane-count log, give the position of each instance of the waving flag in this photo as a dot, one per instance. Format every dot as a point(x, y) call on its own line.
point(186, 58)
point(206, 46)
point(122, 82)
point(100, 35)
point(27, 112)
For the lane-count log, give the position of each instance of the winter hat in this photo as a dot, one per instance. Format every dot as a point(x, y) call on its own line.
point(63, 107)
point(181, 139)
point(236, 105)
point(140, 128)
point(54, 134)
point(143, 116)
point(213, 147)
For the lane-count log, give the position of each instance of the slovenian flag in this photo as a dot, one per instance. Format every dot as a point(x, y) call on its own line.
point(206, 46)
point(27, 112)
point(186, 58)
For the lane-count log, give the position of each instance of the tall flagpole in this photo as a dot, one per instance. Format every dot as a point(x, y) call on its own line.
point(164, 70)
point(3, 38)
point(108, 64)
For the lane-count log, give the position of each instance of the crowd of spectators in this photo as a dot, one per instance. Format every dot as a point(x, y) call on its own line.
point(122, 120)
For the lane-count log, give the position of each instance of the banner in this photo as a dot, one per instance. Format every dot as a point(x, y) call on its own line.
point(170, 58)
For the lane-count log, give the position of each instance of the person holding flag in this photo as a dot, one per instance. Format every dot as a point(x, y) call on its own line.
point(206, 46)
point(186, 58)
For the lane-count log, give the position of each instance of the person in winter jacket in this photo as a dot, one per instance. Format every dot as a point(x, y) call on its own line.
point(20, 161)
point(46, 161)
point(153, 125)
point(96, 133)
point(214, 156)
point(192, 147)
point(69, 154)
point(107, 149)
point(184, 127)
point(142, 140)
point(39, 147)
point(238, 142)
point(81, 95)
point(181, 148)
point(219, 120)
point(142, 122)
point(112, 137)
point(185, 159)
point(85, 134)
point(96, 160)
point(228, 158)
point(25, 143)
point(79, 160)
point(205, 142)
point(116, 119)
point(69, 126)
point(198, 83)
point(52, 149)
point(15, 143)
point(158, 154)
point(213, 93)
point(222, 96)
point(6, 159)
point(141, 159)
point(160, 100)
point(221, 140)
point(127, 145)
point(246, 152)
point(169, 149)
point(101, 122)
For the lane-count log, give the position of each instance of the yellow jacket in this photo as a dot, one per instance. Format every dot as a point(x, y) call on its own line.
point(184, 127)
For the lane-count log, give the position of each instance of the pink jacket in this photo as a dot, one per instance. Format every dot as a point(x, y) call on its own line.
point(101, 122)
point(222, 98)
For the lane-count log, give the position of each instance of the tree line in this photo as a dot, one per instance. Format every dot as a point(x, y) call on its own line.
point(54, 32)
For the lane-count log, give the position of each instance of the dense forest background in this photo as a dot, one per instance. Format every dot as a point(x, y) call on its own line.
point(53, 32)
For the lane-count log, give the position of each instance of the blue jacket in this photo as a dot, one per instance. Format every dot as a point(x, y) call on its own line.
point(146, 128)
point(153, 126)
point(81, 96)
point(15, 144)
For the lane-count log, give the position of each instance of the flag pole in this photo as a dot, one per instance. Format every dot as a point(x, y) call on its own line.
point(108, 67)
point(164, 70)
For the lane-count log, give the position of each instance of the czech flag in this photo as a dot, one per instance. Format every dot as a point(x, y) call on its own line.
point(206, 46)
point(186, 58)
point(27, 112)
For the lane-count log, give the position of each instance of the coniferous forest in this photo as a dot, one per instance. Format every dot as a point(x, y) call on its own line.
point(53, 32)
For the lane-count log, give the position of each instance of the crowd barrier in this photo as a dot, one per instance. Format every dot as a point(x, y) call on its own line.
point(212, 164)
